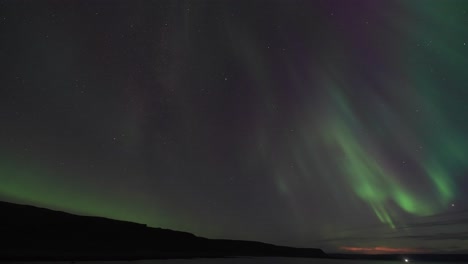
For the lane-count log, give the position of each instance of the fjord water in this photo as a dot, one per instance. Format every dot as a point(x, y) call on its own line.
point(268, 260)
point(263, 260)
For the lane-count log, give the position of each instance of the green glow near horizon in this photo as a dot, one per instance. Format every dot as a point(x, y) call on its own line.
point(31, 186)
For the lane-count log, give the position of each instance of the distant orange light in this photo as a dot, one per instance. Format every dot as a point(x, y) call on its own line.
point(382, 250)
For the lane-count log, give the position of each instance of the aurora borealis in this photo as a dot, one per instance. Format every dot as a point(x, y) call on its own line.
point(324, 123)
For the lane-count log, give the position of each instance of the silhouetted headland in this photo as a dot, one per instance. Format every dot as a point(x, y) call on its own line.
point(31, 233)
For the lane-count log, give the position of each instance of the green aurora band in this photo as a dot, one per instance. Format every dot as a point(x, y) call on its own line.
point(428, 132)
point(400, 146)
point(373, 180)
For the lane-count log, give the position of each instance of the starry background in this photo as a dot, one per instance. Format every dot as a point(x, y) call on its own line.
point(332, 124)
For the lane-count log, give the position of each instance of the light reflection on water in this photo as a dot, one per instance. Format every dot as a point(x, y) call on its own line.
point(234, 261)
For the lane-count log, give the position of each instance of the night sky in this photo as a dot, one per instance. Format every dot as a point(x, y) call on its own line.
point(320, 123)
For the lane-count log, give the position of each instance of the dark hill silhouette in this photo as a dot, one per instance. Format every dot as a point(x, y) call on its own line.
point(32, 233)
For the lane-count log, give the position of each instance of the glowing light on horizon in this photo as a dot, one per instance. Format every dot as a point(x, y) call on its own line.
point(383, 250)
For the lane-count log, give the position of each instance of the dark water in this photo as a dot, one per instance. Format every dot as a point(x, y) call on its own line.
point(238, 261)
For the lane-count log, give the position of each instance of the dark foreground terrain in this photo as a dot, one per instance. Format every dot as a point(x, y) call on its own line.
point(31, 233)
